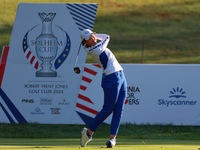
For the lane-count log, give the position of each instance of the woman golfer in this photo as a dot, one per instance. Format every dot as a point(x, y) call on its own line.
point(113, 84)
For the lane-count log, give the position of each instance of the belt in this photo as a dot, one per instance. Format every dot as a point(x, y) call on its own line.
point(103, 74)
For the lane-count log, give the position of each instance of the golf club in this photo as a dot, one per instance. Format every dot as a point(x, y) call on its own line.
point(77, 69)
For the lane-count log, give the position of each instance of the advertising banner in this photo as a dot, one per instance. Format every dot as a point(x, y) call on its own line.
point(38, 83)
point(156, 94)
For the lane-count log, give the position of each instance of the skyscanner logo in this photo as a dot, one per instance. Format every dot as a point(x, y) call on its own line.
point(179, 95)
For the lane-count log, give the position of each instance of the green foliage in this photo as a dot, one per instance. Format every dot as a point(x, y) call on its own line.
point(166, 30)
point(126, 131)
point(159, 131)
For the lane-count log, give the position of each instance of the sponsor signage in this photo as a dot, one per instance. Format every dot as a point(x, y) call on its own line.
point(55, 111)
point(27, 100)
point(37, 66)
point(156, 94)
point(37, 111)
point(131, 99)
point(38, 84)
point(45, 101)
point(177, 97)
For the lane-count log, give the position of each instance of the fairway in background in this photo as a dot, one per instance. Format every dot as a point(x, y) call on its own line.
point(166, 31)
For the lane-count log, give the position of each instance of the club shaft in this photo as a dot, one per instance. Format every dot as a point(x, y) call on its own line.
point(77, 55)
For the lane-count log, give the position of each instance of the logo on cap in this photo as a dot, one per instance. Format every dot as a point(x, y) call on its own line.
point(86, 32)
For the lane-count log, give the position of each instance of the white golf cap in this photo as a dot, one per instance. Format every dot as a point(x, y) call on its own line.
point(85, 34)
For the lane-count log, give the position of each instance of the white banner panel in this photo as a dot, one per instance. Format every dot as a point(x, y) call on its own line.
point(157, 94)
point(38, 83)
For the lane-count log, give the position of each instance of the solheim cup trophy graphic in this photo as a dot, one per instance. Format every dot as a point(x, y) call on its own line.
point(46, 46)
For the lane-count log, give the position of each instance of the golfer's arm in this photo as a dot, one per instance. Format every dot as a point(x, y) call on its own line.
point(104, 39)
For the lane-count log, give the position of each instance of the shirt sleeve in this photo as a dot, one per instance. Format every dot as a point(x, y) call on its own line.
point(104, 39)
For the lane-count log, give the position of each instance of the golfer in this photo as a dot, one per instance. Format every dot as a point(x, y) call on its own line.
point(113, 84)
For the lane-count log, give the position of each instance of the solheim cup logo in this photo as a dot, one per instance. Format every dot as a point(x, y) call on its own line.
point(46, 46)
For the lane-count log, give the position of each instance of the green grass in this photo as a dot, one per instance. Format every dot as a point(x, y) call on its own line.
point(130, 137)
point(98, 143)
point(126, 131)
point(170, 28)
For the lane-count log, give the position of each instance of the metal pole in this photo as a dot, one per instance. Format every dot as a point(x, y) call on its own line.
point(143, 39)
